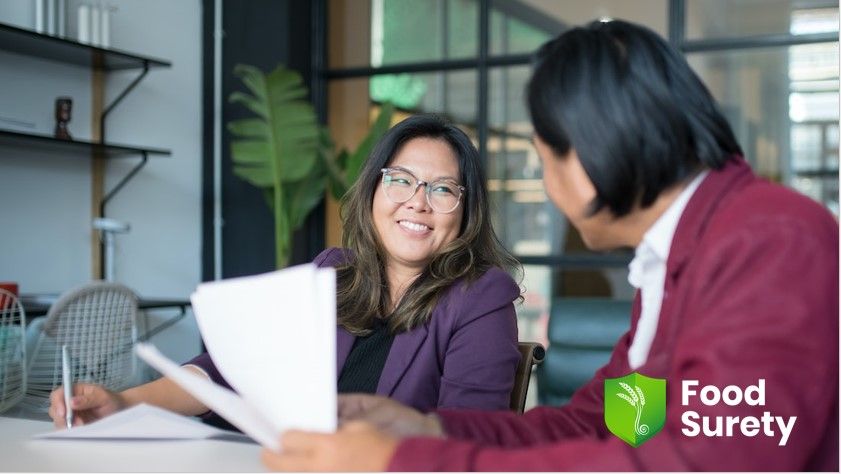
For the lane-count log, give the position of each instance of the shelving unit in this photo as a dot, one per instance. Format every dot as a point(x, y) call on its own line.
point(49, 143)
point(100, 61)
point(30, 43)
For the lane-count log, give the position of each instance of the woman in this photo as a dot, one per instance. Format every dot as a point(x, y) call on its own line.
point(425, 310)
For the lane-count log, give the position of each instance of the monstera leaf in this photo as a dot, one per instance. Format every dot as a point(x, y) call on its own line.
point(278, 149)
point(343, 167)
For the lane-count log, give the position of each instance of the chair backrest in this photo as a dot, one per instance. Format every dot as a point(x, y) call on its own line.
point(582, 333)
point(531, 354)
point(12, 350)
point(98, 324)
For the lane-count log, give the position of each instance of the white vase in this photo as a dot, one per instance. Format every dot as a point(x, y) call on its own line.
point(105, 27)
point(84, 24)
point(96, 25)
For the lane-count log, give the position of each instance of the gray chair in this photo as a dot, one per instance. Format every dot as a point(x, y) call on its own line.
point(98, 324)
point(582, 333)
point(12, 350)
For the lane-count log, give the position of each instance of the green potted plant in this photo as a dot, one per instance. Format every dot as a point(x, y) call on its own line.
point(284, 151)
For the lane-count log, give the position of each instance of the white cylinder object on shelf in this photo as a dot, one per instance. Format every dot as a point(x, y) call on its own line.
point(84, 26)
point(105, 28)
point(40, 16)
point(61, 18)
point(95, 25)
point(51, 17)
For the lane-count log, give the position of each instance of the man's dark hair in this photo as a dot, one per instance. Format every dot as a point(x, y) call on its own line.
point(628, 103)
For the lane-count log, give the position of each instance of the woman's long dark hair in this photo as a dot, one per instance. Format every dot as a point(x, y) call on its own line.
point(362, 287)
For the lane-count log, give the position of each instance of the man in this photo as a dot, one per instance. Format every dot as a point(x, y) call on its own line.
point(738, 284)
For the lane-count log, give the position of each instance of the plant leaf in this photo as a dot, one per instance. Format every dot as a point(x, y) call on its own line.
point(255, 176)
point(378, 129)
point(251, 103)
point(251, 153)
point(254, 80)
point(249, 128)
point(279, 149)
point(301, 200)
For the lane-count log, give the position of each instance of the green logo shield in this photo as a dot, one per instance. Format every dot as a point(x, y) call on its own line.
point(635, 407)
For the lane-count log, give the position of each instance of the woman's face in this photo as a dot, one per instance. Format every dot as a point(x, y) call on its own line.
point(412, 232)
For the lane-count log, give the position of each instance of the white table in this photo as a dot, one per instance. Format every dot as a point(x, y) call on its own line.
point(20, 453)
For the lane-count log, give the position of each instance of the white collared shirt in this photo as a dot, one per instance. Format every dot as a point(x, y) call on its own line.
point(648, 272)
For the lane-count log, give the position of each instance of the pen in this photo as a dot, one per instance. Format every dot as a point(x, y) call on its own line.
point(68, 385)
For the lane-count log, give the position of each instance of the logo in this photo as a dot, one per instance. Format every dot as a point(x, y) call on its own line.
point(635, 407)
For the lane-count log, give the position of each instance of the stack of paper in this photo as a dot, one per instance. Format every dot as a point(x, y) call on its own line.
point(273, 338)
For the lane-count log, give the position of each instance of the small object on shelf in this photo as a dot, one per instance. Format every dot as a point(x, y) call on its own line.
point(40, 16)
point(105, 27)
point(63, 109)
point(84, 25)
point(96, 24)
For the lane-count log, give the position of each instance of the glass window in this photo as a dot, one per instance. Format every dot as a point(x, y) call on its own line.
point(518, 29)
point(740, 18)
point(524, 218)
point(782, 103)
point(521, 26)
point(383, 32)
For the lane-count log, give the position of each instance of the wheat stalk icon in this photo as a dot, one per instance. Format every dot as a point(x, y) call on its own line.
point(637, 400)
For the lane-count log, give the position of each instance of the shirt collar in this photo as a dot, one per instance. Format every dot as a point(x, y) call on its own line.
point(657, 240)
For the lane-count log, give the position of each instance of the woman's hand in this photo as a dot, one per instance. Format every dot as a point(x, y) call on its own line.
point(90, 402)
point(357, 446)
point(388, 416)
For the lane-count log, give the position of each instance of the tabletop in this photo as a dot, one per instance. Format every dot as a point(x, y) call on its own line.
point(20, 453)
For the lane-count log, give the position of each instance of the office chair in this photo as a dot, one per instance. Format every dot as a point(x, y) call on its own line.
point(98, 324)
point(582, 333)
point(12, 350)
point(531, 354)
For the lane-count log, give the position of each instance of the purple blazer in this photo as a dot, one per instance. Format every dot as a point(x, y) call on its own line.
point(465, 356)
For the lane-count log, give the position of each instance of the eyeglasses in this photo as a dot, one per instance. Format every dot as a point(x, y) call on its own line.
point(443, 195)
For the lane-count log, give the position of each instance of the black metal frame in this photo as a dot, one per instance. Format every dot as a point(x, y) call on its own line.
point(102, 121)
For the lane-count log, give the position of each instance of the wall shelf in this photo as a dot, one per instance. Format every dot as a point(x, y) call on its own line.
point(100, 61)
point(30, 43)
point(48, 143)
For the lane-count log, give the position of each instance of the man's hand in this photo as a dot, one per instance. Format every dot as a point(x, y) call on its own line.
point(357, 446)
point(90, 402)
point(388, 416)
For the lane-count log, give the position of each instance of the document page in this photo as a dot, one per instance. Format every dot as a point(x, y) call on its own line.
point(273, 338)
point(140, 422)
point(226, 403)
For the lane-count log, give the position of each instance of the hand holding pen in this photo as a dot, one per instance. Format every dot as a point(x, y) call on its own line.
point(87, 404)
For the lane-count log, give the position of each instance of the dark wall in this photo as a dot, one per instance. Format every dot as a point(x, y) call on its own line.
point(261, 33)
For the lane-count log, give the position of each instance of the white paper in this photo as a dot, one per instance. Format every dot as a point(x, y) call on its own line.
point(226, 403)
point(273, 338)
point(140, 422)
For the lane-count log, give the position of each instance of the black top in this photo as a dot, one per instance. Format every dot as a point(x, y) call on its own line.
point(364, 364)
